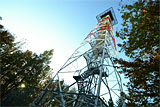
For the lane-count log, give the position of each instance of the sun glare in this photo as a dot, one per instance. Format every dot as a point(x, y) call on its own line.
point(22, 85)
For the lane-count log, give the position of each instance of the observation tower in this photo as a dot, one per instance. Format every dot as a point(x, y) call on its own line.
point(90, 73)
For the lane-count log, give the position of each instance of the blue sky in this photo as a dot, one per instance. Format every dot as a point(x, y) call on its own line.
point(54, 24)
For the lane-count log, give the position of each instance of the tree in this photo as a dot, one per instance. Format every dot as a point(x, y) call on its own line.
point(140, 35)
point(110, 103)
point(120, 102)
point(24, 74)
point(20, 68)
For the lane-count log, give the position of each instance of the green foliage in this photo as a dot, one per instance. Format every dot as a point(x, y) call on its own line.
point(19, 97)
point(140, 33)
point(24, 74)
point(120, 101)
point(19, 67)
point(140, 30)
point(144, 80)
point(110, 103)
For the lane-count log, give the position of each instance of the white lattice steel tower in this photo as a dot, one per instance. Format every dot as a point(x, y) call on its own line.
point(90, 71)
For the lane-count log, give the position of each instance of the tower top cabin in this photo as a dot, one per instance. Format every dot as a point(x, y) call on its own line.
point(111, 14)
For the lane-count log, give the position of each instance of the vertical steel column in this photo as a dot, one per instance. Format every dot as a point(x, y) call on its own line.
point(100, 74)
point(60, 89)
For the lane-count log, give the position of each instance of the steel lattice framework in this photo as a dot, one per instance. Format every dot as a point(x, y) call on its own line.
point(90, 71)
